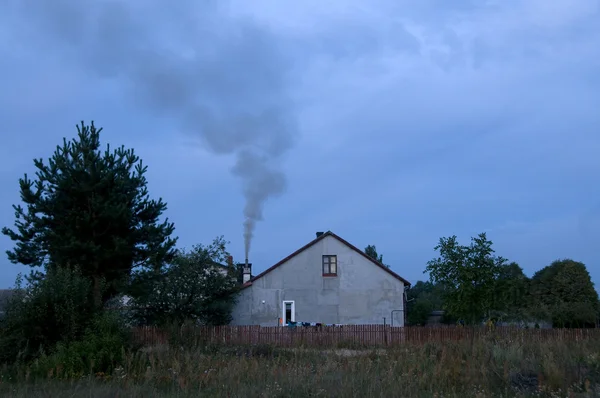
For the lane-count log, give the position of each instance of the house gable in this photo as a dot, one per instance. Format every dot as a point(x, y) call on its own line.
point(322, 239)
point(359, 291)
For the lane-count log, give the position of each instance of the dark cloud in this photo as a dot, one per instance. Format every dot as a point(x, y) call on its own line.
point(223, 79)
point(419, 119)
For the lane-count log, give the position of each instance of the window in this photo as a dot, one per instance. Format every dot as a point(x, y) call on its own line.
point(329, 265)
point(289, 312)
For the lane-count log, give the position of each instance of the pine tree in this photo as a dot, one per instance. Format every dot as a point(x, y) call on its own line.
point(90, 209)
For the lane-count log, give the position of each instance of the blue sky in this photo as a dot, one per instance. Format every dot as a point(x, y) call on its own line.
point(387, 122)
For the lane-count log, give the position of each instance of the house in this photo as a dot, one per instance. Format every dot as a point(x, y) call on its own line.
point(327, 281)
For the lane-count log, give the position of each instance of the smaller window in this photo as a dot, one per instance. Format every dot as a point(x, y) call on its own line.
point(329, 265)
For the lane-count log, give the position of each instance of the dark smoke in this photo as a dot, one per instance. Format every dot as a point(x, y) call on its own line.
point(222, 78)
point(260, 182)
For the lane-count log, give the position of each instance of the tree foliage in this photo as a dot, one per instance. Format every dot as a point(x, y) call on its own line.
point(195, 287)
point(565, 293)
point(422, 299)
point(100, 349)
point(38, 316)
point(371, 251)
point(90, 209)
point(469, 273)
point(478, 284)
point(511, 293)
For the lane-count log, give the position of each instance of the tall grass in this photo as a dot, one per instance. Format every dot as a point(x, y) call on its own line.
point(499, 368)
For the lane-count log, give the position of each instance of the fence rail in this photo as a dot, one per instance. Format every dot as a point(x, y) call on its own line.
point(351, 335)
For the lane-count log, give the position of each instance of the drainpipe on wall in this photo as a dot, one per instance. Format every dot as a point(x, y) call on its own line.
point(404, 301)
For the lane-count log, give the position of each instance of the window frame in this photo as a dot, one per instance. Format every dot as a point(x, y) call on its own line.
point(329, 257)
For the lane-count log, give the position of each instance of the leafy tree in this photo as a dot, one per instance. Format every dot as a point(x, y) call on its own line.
point(419, 312)
point(469, 273)
point(419, 303)
point(195, 287)
point(422, 299)
point(565, 292)
point(511, 297)
point(90, 209)
point(371, 251)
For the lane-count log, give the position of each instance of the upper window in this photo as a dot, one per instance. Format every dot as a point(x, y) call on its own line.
point(329, 265)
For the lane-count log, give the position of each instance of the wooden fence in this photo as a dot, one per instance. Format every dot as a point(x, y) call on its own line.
point(351, 335)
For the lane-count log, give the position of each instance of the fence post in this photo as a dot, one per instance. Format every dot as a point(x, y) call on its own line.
point(385, 334)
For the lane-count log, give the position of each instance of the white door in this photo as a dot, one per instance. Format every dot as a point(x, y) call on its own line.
point(289, 312)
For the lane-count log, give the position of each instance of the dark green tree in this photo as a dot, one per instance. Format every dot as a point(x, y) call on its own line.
point(199, 286)
point(56, 309)
point(419, 311)
point(511, 296)
point(563, 293)
point(371, 251)
point(422, 299)
point(469, 274)
point(89, 208)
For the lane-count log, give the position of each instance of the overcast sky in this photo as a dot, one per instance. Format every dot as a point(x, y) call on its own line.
point(388, 122)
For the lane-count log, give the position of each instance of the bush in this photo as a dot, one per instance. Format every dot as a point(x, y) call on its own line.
point(191, 289)
point(101, 350)
point(58, 308)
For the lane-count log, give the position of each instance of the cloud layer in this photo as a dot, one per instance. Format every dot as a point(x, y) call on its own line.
point(395, 123)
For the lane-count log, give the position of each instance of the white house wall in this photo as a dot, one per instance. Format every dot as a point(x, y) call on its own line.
point(361, 293)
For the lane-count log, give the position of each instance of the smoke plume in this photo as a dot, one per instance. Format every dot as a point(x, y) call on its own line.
point(222, 78)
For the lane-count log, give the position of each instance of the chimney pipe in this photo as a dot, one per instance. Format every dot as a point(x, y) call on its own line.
point(319, 234)
point(246, 272)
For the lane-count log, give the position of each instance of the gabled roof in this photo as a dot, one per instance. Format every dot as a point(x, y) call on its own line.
point(315, 241)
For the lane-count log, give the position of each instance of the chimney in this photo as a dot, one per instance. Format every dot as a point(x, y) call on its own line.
point(319, 234)
point(246, 272)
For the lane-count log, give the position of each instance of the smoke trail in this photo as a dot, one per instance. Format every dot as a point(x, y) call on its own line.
point(260, 182)
point(222, 78)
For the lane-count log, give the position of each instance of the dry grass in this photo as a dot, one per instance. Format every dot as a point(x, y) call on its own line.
point(452, 369)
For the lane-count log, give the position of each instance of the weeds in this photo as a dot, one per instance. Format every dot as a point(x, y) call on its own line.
point(482, 369)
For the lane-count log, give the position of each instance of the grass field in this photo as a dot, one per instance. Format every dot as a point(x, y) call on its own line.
point(450, 369)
